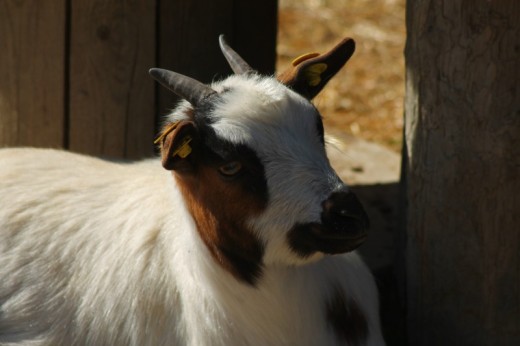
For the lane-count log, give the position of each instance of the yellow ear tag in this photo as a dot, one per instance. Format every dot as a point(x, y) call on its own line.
point(313, 73)
point(304, 57)
point(170, 128)
point(184, 149)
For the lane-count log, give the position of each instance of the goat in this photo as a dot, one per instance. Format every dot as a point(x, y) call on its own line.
point(246, 236)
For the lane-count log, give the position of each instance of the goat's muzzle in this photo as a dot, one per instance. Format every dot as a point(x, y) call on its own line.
point(343, 227)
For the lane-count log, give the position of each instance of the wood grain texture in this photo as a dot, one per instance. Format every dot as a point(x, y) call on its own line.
point(462, 128)
point(111, 95)
point(75, 73)
point(254, 33)
point(32, 41)
point(188, 38)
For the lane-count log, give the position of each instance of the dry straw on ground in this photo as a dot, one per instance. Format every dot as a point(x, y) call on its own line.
point(366, 97)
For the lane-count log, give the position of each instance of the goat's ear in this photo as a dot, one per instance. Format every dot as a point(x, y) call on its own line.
point(309, 73)
point(178, 141)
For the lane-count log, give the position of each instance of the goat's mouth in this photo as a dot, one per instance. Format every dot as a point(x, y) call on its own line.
point(306, 239)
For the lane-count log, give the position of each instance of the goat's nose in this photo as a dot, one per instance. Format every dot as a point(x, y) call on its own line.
point(343, 213)
point(342, 228)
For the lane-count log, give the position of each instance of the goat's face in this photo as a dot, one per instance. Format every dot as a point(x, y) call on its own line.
point(255, 174)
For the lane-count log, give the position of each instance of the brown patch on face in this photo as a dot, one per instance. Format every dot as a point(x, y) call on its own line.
point(346, 319)
point(220, 208)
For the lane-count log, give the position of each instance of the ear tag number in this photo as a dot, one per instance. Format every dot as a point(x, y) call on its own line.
point(313, 73)
point(184, 149)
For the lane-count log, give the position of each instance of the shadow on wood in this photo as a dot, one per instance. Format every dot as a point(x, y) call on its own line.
point(74, 74)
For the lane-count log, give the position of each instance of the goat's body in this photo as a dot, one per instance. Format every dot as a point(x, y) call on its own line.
point(101, 253)
point(81, 245)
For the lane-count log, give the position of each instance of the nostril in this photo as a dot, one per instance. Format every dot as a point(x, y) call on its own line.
point(343, 213)
point(348, 216)
point(344, 208)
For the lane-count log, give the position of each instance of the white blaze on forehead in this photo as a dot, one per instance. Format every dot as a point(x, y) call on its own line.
point(253, 107)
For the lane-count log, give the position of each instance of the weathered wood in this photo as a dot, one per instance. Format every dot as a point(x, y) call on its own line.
point(111, 95)
point(32, 36)
point(254, 33)
point(74, 73)
point(463, 163)
point(188, 38)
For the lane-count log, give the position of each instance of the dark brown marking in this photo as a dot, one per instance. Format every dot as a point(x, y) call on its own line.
point(346, 318)
point(221, 206)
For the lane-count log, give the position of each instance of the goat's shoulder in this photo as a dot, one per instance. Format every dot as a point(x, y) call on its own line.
point(353, 300)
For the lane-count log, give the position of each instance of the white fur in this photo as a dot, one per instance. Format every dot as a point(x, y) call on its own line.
point(101, 253)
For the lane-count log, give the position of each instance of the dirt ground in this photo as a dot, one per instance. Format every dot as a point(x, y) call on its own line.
point(366, 98)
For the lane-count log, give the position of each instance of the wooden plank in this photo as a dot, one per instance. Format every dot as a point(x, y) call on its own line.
point(188, 40)
point(111, 95)
point(32, 36)
point(254, 33)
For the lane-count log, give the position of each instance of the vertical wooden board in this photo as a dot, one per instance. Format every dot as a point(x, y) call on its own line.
point(188, 40)
point(111, 95)
point(32, 45)
point(254, 33)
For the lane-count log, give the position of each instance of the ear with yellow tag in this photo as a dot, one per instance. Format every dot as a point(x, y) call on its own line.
point(177, 142)
point(309, 73)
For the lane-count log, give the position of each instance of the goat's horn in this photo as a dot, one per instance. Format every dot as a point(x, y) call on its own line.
point(188, 88)
point(238, 65)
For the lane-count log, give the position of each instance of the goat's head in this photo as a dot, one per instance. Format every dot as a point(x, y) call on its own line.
point(248, 154)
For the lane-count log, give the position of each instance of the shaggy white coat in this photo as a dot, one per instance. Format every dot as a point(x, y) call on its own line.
point(100, 253)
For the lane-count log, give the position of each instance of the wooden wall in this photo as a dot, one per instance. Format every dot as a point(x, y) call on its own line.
point(32, 73)
point(74, 74)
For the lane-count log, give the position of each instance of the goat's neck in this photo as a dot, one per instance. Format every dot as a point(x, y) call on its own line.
point(284, 299)
point(283, 302)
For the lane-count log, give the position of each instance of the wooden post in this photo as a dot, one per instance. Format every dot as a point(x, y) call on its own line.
point(463, 172)
point(32, 73)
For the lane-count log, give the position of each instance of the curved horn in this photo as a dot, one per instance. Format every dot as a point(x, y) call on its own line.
point(238, 65)
point(188, 88)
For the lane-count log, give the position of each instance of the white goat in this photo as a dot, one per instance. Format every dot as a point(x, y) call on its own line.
point(245, 238)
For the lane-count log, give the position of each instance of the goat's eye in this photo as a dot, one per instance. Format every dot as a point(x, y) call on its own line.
point(230, 168)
